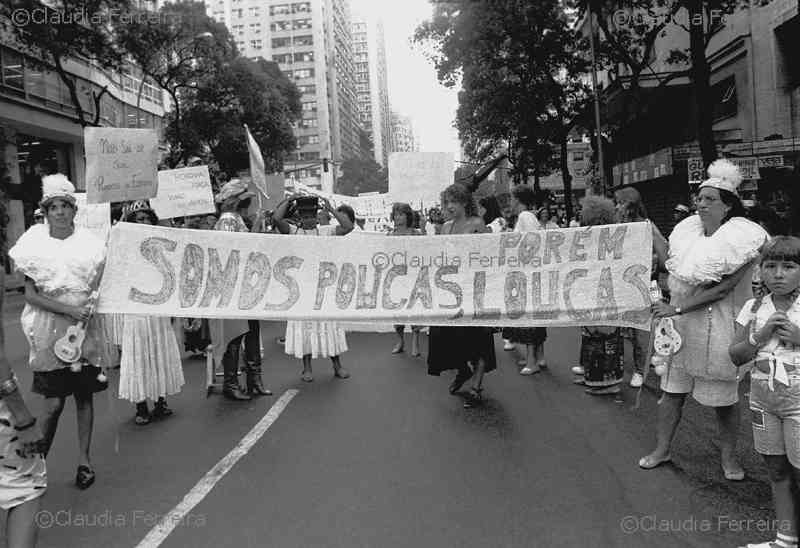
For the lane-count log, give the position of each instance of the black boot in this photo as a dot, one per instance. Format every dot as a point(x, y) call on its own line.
point(255, 385)
point(230, 367)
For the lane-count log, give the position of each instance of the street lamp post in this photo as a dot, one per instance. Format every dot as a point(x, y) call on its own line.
point(596, 104)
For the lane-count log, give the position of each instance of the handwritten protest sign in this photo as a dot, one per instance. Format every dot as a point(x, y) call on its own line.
point(120, 164)
point(182, 192)
point(94, 217)
point(419, 177)
point(580, 276)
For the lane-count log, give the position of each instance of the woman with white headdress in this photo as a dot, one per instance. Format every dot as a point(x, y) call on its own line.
point(711, 258)
point(62, 265)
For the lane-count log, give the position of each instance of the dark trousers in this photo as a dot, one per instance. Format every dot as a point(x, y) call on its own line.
point(252, 351)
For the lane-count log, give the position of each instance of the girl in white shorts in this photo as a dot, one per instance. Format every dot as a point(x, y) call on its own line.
point(768, 338)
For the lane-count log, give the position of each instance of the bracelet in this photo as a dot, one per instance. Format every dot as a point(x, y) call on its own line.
point(752, 340)
point(20, 428)
point(8, 387)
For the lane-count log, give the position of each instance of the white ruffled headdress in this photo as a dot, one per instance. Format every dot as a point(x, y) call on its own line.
point(56, 186)
point(723, 175)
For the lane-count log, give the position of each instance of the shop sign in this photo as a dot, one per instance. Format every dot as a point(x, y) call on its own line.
point(748, 165)
point(652, 166)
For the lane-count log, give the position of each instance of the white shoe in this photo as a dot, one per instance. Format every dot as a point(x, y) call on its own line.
point(529, 371)
point(637, 380)
point(578, 370)
point(508, 345)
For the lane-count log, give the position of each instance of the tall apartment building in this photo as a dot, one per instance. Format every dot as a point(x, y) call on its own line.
point(311, 42)
point(403, 138)
point(372, 89)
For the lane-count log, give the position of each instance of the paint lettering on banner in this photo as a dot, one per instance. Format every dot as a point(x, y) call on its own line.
point(182, 192)
point(121, 164)
point(577, 276)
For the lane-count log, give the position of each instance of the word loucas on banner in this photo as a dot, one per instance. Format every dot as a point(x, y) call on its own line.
point(580, 276)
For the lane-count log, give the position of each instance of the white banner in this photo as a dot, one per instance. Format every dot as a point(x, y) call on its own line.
point(94, 217)
point(580, 276)
point(182, 192)
point(419, 178)
point(121, 164)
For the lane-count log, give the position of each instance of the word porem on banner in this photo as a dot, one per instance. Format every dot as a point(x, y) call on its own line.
point(121, 164)
point(182, 192)
point(581, 276)
point(94, 217)
point(419, 177)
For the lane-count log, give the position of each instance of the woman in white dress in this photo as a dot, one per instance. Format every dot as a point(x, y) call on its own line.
point(62, 265)
point(308, 339)
point(150, 366)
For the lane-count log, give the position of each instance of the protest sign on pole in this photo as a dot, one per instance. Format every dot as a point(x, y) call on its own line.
point(417, 177)
point(121, 164)
point(94, 217)
point(257, 170)
point(580, 276)
point(182, 192)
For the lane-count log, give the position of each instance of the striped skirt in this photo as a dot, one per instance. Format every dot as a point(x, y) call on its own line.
point(151, 361)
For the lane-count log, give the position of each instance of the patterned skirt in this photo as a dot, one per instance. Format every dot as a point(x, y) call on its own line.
point(21, 479)
point(602, 356)
point(151, 361)
point(320, 339)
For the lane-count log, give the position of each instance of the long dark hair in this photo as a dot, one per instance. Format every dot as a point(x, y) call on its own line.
point(404, 209)
point(734, 202)
point(489, 203)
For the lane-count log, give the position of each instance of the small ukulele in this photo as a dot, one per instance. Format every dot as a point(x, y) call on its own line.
point(68, 348)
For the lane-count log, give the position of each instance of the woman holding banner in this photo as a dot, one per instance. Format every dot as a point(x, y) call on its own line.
point(458, 347)
point(61, 265)
point(403, 217)
point(307, 339)
point(711, 256)
point(150, 366)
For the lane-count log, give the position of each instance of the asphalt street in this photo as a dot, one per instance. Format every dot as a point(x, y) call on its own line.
point(389, 459)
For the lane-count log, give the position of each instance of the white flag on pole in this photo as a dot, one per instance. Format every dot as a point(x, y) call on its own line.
point(257, 170)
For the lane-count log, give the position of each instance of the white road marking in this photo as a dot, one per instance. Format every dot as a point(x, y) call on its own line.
point(161, 531)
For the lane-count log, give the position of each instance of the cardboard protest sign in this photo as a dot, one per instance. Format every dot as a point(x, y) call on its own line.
point(121, 164)
point(581, 276)
point(94, 217)
point(419, 177)
point(182, 192)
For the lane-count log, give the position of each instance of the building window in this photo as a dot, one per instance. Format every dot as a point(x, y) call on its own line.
point(281, 42)
point(302, 7)
point(723, 95)
point(307, 89)
point(577, 156)
point(303, 73)
point(279, 9)
point(255, 27)
point(280, 25)
point(301, 24)
point(255, 12)
point(305, 57)
point(305, 40)
point(240, 44)
point(255, 44)
point(310, 106)
point(283, 58)
point(309, 122)
point(239, 13)
point(308, 156)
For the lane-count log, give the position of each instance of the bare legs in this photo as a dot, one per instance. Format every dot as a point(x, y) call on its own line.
point(85, 412)
point(21, 529)
point(338, 371)
point(52, 412)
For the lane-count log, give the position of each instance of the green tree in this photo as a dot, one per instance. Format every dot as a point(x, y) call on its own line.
point(61, 31)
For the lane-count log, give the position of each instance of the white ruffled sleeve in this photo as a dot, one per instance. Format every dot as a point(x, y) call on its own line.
point(739, 242)
point(30, 254)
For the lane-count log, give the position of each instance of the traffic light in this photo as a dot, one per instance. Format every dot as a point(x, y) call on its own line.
point(325, 165)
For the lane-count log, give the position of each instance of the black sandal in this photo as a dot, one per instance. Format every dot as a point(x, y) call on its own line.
point(142, 414)
point(85, 477)
point(474, 398)
point(161, 410)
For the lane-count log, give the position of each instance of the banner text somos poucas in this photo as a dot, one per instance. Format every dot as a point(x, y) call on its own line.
point(578, 276)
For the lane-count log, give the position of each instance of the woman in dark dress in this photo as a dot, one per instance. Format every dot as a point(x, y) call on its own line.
point(459, 347)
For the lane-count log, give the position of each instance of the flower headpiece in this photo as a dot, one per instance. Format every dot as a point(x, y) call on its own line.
point(130, 209)
point(723, 175)
point(235, 188)
point(56, 186)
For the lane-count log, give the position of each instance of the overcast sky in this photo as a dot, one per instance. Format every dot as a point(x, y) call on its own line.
point(413, 87)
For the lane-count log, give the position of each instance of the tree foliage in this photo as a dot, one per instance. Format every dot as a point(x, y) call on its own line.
point(518, 66)
point(63, 30)
point(362, 175)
